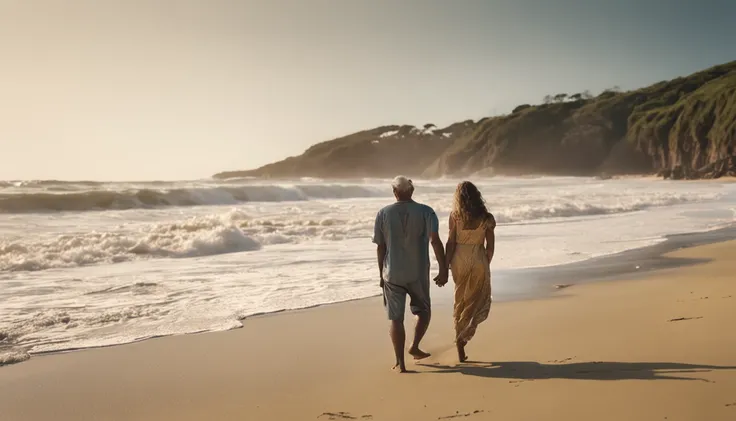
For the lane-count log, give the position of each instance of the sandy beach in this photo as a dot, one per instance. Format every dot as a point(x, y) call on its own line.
point(200, 202)
point(658, 348)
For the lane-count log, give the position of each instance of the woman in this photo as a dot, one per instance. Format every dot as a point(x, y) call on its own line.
point(470, 248)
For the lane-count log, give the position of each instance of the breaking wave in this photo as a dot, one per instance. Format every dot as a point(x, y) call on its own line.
point(59, 198)
point(194, 237)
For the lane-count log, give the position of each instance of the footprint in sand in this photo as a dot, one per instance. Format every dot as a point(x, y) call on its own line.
point(458, 414)
point(680, 319)
point(564, 360)
point(337, 416)
point(343, 416)
point(518, 383)
point(731, 404)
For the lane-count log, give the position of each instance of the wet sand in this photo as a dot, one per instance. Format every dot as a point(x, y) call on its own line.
point(522, 284)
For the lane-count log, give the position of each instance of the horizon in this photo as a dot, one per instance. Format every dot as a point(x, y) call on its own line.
point(174, 91)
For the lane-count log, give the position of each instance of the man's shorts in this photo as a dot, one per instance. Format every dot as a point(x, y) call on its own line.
point(394, 299)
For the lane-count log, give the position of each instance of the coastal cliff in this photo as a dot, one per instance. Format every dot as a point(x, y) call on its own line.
point(379, 152)
point(683, 128)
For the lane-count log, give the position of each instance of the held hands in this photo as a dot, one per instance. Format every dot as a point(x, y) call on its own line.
point(442, 278)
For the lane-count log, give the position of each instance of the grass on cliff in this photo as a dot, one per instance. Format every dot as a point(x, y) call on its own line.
point(697, 120)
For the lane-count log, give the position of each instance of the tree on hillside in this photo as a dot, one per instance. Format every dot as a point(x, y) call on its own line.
point(607, 94)
point(587, 94)
point(576, 97)
point(560, 97)
point(547, 99)
point(520, 108)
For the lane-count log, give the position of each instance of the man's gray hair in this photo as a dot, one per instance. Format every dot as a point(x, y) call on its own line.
point(402, 184)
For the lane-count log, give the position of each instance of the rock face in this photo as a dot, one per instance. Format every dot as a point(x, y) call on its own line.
point(683, 128)
point(722, 168)
point(691, 125)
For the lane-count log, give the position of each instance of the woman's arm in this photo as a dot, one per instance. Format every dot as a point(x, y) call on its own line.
point(490, 238)
point(450, 248)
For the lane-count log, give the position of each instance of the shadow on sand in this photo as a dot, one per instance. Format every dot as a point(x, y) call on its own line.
point(529, 370)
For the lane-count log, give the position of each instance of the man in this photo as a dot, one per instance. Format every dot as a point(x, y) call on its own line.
point(402, 232)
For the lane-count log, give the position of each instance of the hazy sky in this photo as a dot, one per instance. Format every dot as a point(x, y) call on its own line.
point(173, 89)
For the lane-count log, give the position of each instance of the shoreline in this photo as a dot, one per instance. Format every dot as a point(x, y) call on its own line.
point(539, 282)
point(656, 344)
point(633, 263)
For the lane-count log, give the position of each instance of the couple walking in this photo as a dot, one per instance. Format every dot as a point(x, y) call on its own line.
point(402, 233)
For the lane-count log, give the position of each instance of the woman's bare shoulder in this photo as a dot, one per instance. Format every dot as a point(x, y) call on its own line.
point(490, 221)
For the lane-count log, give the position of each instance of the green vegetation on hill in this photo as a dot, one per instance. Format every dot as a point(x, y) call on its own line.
point(683, 128)
point(691, 124)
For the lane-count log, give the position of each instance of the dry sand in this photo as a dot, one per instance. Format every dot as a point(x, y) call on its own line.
point(661, 348)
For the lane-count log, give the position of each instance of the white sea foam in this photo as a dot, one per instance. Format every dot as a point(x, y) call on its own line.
point(80, 279)
point(12, 357)
point(193, 237)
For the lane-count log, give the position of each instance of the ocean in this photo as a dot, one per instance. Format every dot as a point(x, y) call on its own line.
point(89, 264)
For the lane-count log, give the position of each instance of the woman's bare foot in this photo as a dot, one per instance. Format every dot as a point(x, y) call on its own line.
point(461, 351)
point(418, 354)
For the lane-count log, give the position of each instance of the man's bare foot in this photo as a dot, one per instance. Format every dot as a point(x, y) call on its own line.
point(418, 354)
point(401, 368)
point(461, 351)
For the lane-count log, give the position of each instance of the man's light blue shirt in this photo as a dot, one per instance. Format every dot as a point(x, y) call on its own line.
point(405, 229)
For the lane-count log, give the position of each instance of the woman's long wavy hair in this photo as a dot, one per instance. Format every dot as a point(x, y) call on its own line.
point(469, 203)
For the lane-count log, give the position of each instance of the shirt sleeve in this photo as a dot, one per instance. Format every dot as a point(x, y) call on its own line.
point(378, 230)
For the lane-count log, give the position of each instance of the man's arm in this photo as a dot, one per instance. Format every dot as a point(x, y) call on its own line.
point(439, 254)
point(381, 254)
point(380, 241)
point(439, 248)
